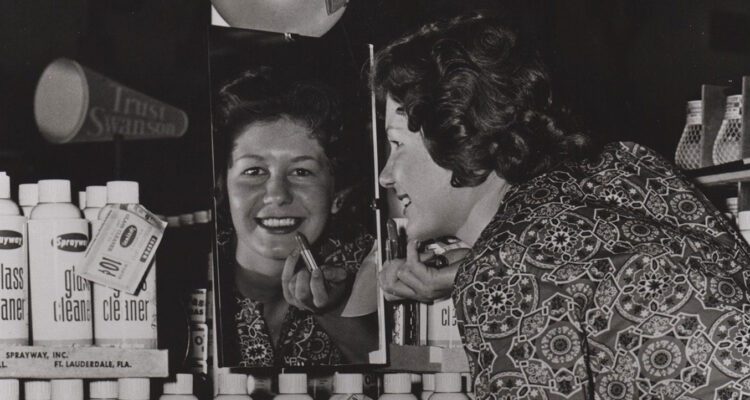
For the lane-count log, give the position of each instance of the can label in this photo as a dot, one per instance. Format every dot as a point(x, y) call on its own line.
point(442, 329)
point(61, 299)
point(14, 281)
point(198, 306)
point(125, 320)
point(198, 342)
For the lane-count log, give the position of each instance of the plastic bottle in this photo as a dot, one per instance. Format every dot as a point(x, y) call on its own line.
point(397, 387)
point(103, 390)
point(180, 389)
point(448, 387)
point(67, 389)
point(292, 387)
point(9, 389)
point(37, 390)
point(122, 319)
point(428, 386)
point(28, 197)
point(133, 389)
point(60, 299)
point(232, 387)
point(96, 198)
point(348, 386)
point(14, 270)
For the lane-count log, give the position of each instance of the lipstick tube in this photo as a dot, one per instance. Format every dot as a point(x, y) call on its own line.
point(304, 251)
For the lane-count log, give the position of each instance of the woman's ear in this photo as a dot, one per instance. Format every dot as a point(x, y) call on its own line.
point(338, 200)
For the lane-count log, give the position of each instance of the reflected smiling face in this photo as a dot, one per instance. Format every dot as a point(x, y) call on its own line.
point(279, 182)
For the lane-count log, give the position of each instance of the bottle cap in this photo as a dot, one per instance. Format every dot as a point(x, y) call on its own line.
point(173, 221)
point(81, 200)
point(37, 390)
point(67, 389)
point(743, 220)
point(96, 196)
point(183, 384)
point(201, 217)
point(28, 194)
point(54, 191)
point(347, 383)
point(447, 382)
point(122, 192)
point(4, 185)
point(428, 382)
point(9, 389)
point(232, 384)
point(292, 383)
point(134, 389)
point(397, 383)
point(103, 389)
point(187, 219)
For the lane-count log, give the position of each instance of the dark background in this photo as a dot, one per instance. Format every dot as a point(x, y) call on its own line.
point(626, 68)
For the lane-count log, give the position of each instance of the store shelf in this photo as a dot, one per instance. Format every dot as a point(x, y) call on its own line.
point(426, 359)
point(724, 174)
point(81, 362)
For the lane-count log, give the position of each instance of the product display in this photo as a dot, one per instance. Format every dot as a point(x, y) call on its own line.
point(232, 387)
point(293, 387)
point(348, 386)
point(448, 387)
point(133, 389)
point(28, 197)
point(428, 386)
point(104, 390)
point(689, 150)
point(397, 387)
point(67, 389)
point(728, 143)
point(9, 389)
point(180, 389)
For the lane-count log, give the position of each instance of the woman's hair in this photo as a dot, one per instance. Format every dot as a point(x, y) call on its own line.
point(262, 95)
point(481, 98)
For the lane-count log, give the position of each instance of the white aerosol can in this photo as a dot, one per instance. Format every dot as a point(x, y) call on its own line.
point(14, 270)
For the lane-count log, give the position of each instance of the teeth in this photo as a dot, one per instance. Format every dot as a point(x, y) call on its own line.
point(278, 222)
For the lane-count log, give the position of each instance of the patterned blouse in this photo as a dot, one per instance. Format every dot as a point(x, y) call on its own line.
point(302, 341)
point(613, 278)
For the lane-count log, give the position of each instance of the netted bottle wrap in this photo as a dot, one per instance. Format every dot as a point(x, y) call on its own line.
point(728, 144)
point(688, 154)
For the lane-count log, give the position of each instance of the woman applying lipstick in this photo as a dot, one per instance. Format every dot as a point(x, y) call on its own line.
point(594, 273)
point(279, 182)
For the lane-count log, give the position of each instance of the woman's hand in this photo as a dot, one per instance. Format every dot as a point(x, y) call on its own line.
point(411, 279)
point(321, 290)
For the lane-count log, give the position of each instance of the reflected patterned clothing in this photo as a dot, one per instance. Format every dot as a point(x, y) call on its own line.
point(301, 340)
point(612, 278)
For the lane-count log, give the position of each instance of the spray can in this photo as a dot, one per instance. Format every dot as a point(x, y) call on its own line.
point(37, 390)
point(96, 198)
point(61, 300)
point(292, 387)
point(232, 387)
point(180, 389)
point(122, 319)
point(397, 387)
point(103, 390)
point(348, 387)
point(14, 270)
point(67, 389)
point(133, 389)
point(10, 389)
point(28, 197)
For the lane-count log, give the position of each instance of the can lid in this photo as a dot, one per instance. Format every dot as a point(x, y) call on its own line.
point(54, 191)
point(67, 389)
point(187, 219)
point(428, 382)
point(96, 196)
point(28, 194)
point(397, 383)
point(347, 383)
point(122, 192)
point(232, 384)
point(201, 217)
point(447, 382)
point(37, 390)
point(183, 384)
point(4, 185)
point(106, 389)
point(9, 389)
point(134, 389)
point(292, 383)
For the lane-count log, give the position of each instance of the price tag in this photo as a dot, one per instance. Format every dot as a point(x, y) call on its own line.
point(124, 247)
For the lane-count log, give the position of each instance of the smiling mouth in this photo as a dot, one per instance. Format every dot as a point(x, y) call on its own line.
point(279, 225)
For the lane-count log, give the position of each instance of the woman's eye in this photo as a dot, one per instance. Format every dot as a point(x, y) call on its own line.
point(253, 171)
point(302, 172)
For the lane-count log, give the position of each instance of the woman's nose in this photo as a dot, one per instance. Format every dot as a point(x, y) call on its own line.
point(386, 175)
point(277, 191)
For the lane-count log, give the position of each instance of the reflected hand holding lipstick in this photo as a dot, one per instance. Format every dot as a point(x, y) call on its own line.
point(304, 250)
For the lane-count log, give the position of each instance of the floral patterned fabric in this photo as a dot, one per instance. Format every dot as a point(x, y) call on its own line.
point(612, 278)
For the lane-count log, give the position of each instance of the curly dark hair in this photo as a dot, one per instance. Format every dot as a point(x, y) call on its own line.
point(481, 98)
